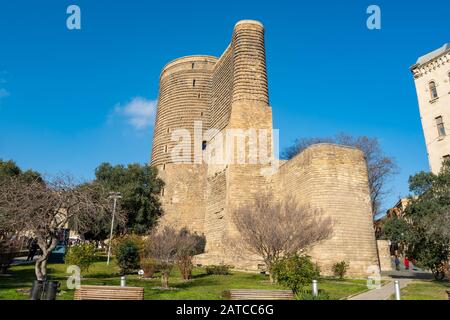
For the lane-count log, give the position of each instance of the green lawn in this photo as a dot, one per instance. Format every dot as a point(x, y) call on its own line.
point(425, 290)
point(201, 286)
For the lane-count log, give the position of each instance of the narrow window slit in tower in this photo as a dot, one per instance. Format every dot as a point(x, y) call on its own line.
point(193, 83)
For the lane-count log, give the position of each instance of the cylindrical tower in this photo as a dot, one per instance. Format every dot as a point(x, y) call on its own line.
point(184, 95)
point(250, 76)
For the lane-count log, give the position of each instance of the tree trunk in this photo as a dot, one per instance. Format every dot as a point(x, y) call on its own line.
point(270, 271)
point(41, 266)
point(41, 263)
point(165, 280)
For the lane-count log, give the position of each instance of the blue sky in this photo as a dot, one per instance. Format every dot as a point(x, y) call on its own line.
point(71, 99)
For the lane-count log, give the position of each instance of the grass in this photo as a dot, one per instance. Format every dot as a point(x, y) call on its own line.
point(425, 290)
point(340, 289)
point(201, 286)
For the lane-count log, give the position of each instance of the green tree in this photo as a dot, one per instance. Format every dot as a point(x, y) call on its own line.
point(424, 228)
point(10, 169)
point(295, 272)
point(127, 255)
point(140, 187)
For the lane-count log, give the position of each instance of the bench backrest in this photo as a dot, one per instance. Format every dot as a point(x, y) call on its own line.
point(253, 294)
point(109, 293)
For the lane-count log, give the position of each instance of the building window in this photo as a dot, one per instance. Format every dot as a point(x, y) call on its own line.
point(193, 65)
point(203, 145)
point(201, 114)
point(165, 148)
point(164, 166)
point(199, 96)
point(433, 90)
point(440, 126)
point(193, 83)
point(168, 130)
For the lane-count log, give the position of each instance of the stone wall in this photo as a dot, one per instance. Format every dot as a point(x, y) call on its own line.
point(384, 254)
point(183, 197)
point(334, 180)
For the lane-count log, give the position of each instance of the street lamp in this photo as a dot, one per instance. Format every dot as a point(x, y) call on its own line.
point(115, 196)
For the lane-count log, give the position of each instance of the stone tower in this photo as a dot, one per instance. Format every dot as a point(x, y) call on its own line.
point(432, 79)
point(230, 94)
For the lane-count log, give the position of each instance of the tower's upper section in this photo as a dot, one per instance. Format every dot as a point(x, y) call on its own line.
point(250, 76)
point(202, 88)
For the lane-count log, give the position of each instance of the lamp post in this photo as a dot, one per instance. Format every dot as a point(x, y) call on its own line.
point(114, 196)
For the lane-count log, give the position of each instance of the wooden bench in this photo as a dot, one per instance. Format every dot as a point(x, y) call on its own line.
point(109, 293)
point(253, 294)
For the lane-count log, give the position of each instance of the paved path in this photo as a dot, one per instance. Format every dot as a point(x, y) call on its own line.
point(22, 260)
point(382, 293)
point(385, 292)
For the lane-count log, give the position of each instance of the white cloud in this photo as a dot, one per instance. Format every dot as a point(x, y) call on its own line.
point(3, 93)
point(139, 112)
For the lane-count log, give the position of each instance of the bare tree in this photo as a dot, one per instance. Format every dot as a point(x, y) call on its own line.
point(42, 209)
point(381, 168)
point(169, 246)
point(272, 229)
point(162, 246)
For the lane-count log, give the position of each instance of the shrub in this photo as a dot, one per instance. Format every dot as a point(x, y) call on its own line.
point(222, 269)
point(184, 264)
point(127, 256)
point(340, 269)
point(295, 272)
point(137, 240)
point(81, 255)
point(189, 244)
point(150, 267)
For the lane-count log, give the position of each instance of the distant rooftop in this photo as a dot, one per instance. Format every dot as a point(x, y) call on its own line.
point(434, 54)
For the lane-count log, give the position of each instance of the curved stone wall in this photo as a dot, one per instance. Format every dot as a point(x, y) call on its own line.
point(334, 179)
point(184, 97)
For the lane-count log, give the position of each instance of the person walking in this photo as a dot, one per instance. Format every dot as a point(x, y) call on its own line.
point(406, 263)
point(397, 263)
point(32, 249)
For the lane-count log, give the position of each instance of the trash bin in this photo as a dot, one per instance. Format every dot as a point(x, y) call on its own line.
point(50, 290)
point(37, 289)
